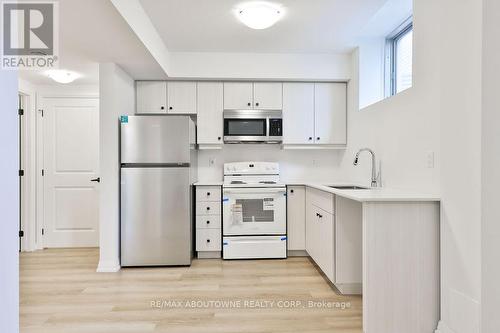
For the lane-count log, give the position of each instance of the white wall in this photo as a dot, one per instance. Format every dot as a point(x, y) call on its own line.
point(9, 204)
point(260, 65)
point(371, 55)
point(460, 67)
point(117, 97)
point(404, 128)
point(296, 165)
point(490, 226)
point(442, 114)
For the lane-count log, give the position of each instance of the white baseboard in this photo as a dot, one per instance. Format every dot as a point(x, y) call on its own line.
point(443, 328)
point(108, 266)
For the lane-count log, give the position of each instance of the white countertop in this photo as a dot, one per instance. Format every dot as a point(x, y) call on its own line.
point(368, 195)
point(377, 194)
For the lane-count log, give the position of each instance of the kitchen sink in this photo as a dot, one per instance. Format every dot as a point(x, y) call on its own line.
point(349, 187)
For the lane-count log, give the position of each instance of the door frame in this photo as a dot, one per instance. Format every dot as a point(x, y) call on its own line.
point(29, 181)
point(41, 97)
point(33, 221)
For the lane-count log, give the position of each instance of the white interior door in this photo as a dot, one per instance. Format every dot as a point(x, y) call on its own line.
point(71, 160)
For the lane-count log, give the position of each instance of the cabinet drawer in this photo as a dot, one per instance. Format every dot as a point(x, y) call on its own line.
point(208, 240)
point(208, 208)
point(208, 193)
point(321, 199)
point(208, 222)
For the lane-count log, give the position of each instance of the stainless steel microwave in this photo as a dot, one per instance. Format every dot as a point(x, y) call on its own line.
point(253, 126)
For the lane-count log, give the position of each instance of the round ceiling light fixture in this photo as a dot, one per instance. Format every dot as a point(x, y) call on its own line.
point(259, 15)
point(62, 76)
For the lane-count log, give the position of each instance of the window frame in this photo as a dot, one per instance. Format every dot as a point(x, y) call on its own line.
point(391, 55)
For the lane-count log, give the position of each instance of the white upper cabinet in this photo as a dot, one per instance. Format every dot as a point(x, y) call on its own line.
point(298, 113)
point(238, 95)
point(210, 108)
point(330, 113)
point(181, 97)
point(268, 95)
point(248, 95)
point(151, 96)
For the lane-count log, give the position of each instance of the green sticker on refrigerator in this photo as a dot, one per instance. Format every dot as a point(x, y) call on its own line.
point(124, 119)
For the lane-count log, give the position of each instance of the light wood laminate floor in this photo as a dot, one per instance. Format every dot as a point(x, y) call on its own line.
point(60, 291)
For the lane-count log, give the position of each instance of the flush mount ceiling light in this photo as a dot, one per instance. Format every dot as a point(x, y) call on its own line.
point(62, 76)
point(259, 15)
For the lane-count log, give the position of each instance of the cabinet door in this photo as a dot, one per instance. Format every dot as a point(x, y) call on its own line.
point(326, 258)
point(296, 218)
point(268, 95)
point(210, 109)
point(182, 97)
point(298, 113)
point(151, 96)
point(312, 236)
point(238, 95)
point(348, 241)
point(330, 110)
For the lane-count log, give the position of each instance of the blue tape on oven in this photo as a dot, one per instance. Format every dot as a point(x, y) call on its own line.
point(225, 243)
point(283, 238)
point(225, 199)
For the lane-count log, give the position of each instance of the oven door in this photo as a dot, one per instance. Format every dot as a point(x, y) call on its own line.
point(254, 211)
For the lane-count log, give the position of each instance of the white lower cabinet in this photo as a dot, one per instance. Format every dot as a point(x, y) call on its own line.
point(208, 221)
point(208, 240)
point(348, 245)
point(334, 238)
point(296, 218)
point(320, 231)
point(254, 247)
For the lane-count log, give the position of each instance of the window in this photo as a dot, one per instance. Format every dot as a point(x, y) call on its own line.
point(399, 59)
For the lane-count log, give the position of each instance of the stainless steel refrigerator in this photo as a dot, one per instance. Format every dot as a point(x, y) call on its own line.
point(157, 170)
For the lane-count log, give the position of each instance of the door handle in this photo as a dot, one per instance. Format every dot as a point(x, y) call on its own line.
point(98, 179)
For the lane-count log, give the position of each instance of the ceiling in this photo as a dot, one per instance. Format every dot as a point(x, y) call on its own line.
point(93, 32)
point(309, 26)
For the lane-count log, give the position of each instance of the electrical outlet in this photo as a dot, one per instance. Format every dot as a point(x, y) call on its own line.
point(211, 161)
point(430, 160)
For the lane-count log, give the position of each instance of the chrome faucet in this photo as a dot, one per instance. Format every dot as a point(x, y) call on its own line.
point(375, 175)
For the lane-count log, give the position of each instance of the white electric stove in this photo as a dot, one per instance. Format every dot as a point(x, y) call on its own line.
point(254, 211)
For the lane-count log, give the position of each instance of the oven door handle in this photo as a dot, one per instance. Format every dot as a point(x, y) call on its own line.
point(264, 190)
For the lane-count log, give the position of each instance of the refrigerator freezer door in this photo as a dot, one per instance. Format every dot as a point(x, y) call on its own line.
point(155, 217)
point(155, 139)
